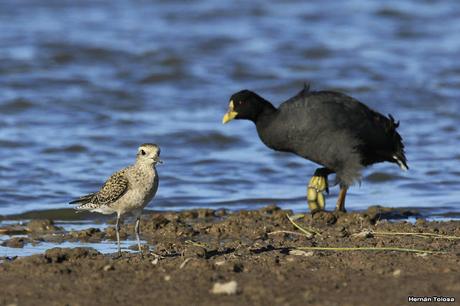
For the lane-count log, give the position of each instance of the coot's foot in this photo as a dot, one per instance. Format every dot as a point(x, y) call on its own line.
point(315, 196)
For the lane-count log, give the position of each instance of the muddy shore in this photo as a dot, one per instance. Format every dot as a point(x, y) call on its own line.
point(213, 257)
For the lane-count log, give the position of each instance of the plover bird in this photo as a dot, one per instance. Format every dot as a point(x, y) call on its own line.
point(127, 191)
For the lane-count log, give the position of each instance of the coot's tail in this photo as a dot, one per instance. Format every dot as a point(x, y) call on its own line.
point(398, 156)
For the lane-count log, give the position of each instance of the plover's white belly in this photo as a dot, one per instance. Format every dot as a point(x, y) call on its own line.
point(133, 199)
point(138, 196)
point(105, 210)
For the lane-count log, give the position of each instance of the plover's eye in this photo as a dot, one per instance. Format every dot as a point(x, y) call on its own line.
point(142, 152)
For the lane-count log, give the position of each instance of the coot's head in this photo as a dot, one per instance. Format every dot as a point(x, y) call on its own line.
point(245, 104)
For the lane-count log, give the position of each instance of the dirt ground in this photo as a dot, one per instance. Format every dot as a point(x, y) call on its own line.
point(213, 257)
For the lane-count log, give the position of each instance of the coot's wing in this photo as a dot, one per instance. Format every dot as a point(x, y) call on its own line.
point(328, 113)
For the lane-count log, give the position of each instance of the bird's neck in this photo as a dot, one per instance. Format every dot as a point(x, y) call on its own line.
point(266, 128)
point(267, 111)
point(145, 166)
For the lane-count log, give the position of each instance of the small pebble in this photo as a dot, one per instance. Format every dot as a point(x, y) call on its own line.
point(238, 267)
point(301, 253)
point(108, 267)
point(225, 288)
point(195, 251)
point(364, 234)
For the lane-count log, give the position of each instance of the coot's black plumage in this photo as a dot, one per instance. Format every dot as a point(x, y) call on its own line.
point(328, 128)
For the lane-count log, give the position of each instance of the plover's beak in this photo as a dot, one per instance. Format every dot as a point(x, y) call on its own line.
point(230, 115)
point(158, 161)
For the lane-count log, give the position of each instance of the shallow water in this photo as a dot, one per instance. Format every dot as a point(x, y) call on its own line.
point(104, 247)
point(38, 247)
point(83, 83)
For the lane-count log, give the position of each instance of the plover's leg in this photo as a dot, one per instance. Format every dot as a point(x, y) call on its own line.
point(117, 229)
point(137, 229)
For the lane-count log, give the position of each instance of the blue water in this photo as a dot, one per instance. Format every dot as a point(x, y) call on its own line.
point(83, 83)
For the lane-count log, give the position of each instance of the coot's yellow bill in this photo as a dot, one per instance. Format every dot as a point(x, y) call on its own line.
point(230, 115)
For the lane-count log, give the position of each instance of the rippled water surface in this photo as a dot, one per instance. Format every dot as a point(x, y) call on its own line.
point(83, 83)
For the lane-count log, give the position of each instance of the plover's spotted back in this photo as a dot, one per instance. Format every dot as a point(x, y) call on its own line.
point(128, 190)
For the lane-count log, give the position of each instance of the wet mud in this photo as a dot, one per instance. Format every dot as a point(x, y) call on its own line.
point(260, 257)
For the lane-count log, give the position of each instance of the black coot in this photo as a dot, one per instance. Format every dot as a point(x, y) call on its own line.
point(329, 128)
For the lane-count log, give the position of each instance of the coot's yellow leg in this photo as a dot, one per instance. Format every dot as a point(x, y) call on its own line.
point(341, 199)
point(317, 185)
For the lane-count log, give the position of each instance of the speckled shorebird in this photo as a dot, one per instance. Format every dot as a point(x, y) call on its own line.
point(127, 191)
point(329, 128)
